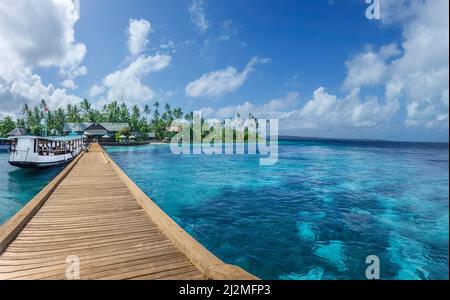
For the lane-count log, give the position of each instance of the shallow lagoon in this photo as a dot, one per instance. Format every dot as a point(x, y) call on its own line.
point(316, 214)
point(18, 186)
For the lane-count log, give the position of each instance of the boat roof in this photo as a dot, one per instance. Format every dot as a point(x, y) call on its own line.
point(78, 127)
point(17, 132)
point(52, 138)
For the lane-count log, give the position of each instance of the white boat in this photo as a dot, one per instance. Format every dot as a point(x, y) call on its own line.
point(4, 144)
point(40, 152)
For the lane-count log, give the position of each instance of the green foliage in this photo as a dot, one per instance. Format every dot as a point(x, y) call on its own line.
point(6, 125)
point(123, 132)
point(141, 120)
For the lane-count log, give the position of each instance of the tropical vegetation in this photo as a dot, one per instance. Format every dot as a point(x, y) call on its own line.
point(141, 120)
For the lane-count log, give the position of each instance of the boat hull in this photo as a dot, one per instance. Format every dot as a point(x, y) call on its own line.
point(33, 165)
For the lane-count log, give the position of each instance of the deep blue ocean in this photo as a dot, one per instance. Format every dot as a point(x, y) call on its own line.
point(316, 214)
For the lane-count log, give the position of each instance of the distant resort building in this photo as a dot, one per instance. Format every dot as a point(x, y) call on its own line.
point(94, 131)
point(174, 129)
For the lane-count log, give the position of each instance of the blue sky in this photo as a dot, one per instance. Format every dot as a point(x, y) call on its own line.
point(320, 67)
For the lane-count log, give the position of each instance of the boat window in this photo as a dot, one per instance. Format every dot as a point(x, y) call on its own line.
point(13, 144)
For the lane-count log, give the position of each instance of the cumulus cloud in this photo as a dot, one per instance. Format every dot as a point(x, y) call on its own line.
point(29, 88)
point(364, 69)
point(218, 83)
point(96, 90)
point(138, 32)
point(416, 72)
point(323, 112)
point(127, 84)
point(37, 34)
point(272, 109)
point(395, 83)
point(69, 84)
point(198, 17)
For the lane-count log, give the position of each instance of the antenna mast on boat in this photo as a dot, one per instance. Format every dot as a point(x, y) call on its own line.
point(44, 122)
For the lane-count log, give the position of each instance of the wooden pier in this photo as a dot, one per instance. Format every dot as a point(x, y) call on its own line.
point(93, 219)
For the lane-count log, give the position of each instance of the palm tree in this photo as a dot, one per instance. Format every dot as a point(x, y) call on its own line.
point(124, 113)
point(86, 110)
point(112, 111)
point(168, 109)
point(43, 105)
point(135, 115)
point(178, 113)
point(135, 111)
point(73, 113)
point(156, 112)
point(27, 113)
point(26, 109)
point(146, 112)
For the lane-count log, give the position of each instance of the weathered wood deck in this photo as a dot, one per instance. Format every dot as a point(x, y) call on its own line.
point(93, 211)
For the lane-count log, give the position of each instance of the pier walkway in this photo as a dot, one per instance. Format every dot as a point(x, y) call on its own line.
point(94, 215)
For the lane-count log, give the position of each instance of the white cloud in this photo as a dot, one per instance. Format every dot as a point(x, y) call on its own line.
point(281, 104)
point(28, 88)
point(227, 31)
point(414, 77)
point(126, 84)
point(364, 69)
point(138, 32)
point(167, 45)
point(272, 109)
point(96, 90)
point(417, 74)
point(218, 83)
point(197, 10)
point(37, 34)
point(324, 111)
point(69, 84)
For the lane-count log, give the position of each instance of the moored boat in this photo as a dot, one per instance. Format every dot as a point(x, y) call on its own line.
point(40, 152)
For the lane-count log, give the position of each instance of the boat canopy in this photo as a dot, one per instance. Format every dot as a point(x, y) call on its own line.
point(53, 138)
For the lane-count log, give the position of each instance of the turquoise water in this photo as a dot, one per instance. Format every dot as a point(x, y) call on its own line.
point(317, 214)
point(18, 186)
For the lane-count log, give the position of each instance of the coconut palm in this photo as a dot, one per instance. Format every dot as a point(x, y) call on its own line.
point(86, 110)
point(146, 112)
